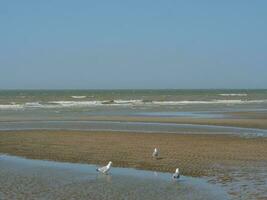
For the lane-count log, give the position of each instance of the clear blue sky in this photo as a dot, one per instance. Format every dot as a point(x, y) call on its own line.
point(133, 44)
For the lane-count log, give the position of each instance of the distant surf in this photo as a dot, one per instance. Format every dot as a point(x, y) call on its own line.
point(78, 97)
point(233, 94)
point(119, 102)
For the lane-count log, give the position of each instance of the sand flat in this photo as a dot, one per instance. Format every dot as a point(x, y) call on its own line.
point(195, 154)
point(260, 122)
point(237, 163)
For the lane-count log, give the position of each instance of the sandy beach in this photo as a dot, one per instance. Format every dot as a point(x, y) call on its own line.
point(237, 163)
point(225, 148)
point(196, 155)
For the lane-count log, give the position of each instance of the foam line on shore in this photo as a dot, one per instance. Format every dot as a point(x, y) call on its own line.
point(136, 102)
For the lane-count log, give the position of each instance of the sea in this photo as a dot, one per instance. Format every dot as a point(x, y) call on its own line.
point(128, 102)
point(71, 109)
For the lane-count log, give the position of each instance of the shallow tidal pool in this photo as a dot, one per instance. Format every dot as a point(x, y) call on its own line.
point(22, 178)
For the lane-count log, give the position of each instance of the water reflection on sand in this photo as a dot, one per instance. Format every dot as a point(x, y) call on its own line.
point(34, 179)
point(143, 127)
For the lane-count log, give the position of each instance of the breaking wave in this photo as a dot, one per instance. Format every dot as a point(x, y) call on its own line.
point(233, 94)
point(78, 97)
point(119, 102)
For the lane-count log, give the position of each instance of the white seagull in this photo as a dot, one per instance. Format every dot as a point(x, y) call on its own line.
point(176, 175)
point(105, 169)
point(155, 153)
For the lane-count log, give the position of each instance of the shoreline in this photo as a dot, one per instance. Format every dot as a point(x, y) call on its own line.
point(227, 160)
point(236, 122)
point(253, 123)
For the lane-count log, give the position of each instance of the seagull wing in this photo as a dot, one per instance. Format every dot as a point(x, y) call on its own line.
point(102, 169)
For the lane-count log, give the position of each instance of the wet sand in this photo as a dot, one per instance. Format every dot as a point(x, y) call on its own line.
point(196, 155)
point(239, 120)
point(262, 114)
point(138, 127)
point(237, 163)
point(37, 179)
point(242, 119)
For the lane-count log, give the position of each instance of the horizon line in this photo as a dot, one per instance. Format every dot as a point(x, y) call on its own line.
point(1, 89)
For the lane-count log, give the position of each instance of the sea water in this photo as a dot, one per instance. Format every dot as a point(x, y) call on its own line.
point(22, 178)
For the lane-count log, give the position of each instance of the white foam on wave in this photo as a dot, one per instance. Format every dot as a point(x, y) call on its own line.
point(96, 103)
point(238, 101)
point(11, 107)
point(197, 102)
point(119, 102)
point(33, 104)
point(38, 105)
point(25, 106)
point(132, 101)
point(76, 103)
point(233, 94)
point(78, 97)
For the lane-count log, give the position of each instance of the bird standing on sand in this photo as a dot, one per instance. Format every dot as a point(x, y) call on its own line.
point(155, 153)
point(176, 175)
point(105, 169)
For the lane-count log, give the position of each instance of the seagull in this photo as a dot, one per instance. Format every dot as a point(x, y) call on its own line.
point(105, 169)
point(155, 153)
point(176, 175)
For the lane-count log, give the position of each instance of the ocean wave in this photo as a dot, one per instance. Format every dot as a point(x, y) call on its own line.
point(233, 94)
point(119, 102)
point(96, 103)
point(238, 101)
point(78, 97)
point(11, 107)
point(33, 104)
point(76, 103)
point(195, 102)
point(133, 101)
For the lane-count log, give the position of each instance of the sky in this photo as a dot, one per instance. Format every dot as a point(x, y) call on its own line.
point(141, 44)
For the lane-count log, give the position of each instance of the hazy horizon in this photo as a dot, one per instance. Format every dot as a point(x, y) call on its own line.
point(110, 89)
point(133, 45)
